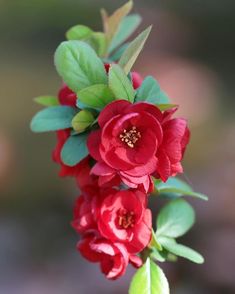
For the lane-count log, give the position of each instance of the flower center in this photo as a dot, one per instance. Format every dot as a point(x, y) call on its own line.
point(126, 219)
point(130, 137)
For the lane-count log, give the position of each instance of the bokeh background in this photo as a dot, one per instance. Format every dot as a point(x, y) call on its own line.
point(191, 53)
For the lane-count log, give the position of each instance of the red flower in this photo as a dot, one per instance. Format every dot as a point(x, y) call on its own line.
point(113, 257)
point(136, 141)
point(67, 97)
point(124, 218)
point(127, 142)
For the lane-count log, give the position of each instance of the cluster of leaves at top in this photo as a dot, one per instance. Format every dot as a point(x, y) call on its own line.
point(80, 62)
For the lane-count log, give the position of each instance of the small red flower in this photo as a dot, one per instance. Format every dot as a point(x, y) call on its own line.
point(67, 97)
point(136, 79)
point(176, 136)
point(113, 257)
point(124, 218)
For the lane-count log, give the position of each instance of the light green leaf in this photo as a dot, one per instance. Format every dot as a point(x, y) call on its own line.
point(181, 250)
point(151, 92)
point(157, 255)
point(149, 279)
point(112, 23)
point(175, 219)
point(133, 50)
point(74, 149)
point(47, 100)
point(98, 42)
point(79, 66)
point(82, 120)
point(79, 32)
point(52, 119)
point(96, 96)
point(120, 84)
point(126, 28)
point(154, 242)
point(179, 188)
point(164, 107)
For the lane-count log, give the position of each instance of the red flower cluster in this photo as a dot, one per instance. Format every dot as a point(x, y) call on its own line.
point(134, 143)
point(115, 227)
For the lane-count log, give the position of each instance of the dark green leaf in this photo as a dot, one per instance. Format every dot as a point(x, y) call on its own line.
point(82, 120)
point(75, 149)
point(175, 219)
point(149, 279)
point(133, 50)
point(79, 66)
point(53, 118)
point(126, 28)
point(79, 32)
point(96, 96)
point(151, 92)
point(120, 84)
point(179, 188)
point(181, 250)
point(47, 100)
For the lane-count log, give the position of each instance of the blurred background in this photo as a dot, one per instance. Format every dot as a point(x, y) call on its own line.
point(191, 53)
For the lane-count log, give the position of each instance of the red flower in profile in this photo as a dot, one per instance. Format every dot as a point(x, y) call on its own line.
point(84, 219)
point(176, 136)
point(113, 257)
point(123, 218)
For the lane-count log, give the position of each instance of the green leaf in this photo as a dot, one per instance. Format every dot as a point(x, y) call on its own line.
point(74, 149)
point(164, 107)
point(79, 66)
point(157, 256)
point(79, 32)
point(151, 92)
point(175, 219)
point(126, 28)
point(154, 242)
point(82, 120)
point(120, 84)
point(96, 96)
point(52, 119)
point(179, 188)
point(149, 279)
point(133, 50)
point(47, 100)
point(112, 23)
point(118, 53)
point(98, 42)
point(181, 250)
